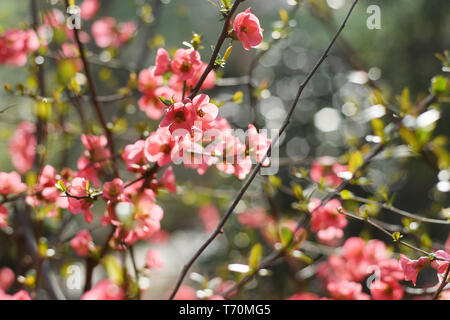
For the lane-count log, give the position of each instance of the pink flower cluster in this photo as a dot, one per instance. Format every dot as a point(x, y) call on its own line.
point(411, 268)
point(326, 169)
point(10, 184)
point(185, 66)
point(343, 273)
point(6, 280)
point(89, 8)
point(45, 193)
point(135, 214)
point(192, 132)
point(16, 45)
point(105, 290)
point(22, 147)
point(108, 33)
point(327, 222)
point(82, 243)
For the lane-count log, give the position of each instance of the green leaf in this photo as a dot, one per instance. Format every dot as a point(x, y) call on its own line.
point(378, 128)
point(275, 181)
point(255, 256)
point(301, 256)
point(167, 102)
point(113, 269)
point(44, 109)
point(439, 85)
point(120, 126)
point(61, 186)
point(286, 237)
point(238, 97)
point(405, 101)
point(355, 161)
point(397, 236)
point(298, 191)
point(346, 195)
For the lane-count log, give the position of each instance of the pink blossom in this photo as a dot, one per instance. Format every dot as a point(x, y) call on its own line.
point(46, 193)
point(253, 218)
point(390, 270)
point(375, 251)
point(11, 183)
point(6, 278)
point(168, 180)
point(153, 106)
point(258, 144)
point(181, 115)
point(209, 216)
point(346, 290)
point(154, 260)
point(134, 156)
point(247, 28)
point(89, 8)
point(330, 236)
point(441, 264)
point(148, 82)
point(22, 147)
point(107, 33)
point(328, 169)
point(185, 63)
point(186, 293)
point(82, 243)
point(3, 216)
point(232, 156)
point(383, 290)
point(142, 222)
point(15, 45)
point(104, 290)
point(112, 190)
point(95, 147)
point(206, 112)
point(162, 64)
point(354, 249)
point(177, 83)
point(326, 216)
point(411, 268)
point(158, 147)
point(80, 206)
point(20, 295)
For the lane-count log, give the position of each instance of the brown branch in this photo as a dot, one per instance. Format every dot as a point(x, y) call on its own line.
point(41, 123)
point(443, 284)
point(220, 41)
point(94, 96)
point(256, 170)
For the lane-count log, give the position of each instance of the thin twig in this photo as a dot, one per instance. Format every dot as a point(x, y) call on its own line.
point(220, 41)
point(443, 284)
point(94, 96)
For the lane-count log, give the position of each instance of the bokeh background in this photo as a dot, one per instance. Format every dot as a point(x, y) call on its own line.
point(328, 121)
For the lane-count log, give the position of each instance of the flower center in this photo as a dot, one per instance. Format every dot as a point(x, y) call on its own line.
point(165, 148)
point(185, 67)
point(179, 117)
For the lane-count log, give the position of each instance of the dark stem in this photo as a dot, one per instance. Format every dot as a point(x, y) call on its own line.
point(94, 96)
point(41, 124)
point(220, 41)
point(444, 282)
